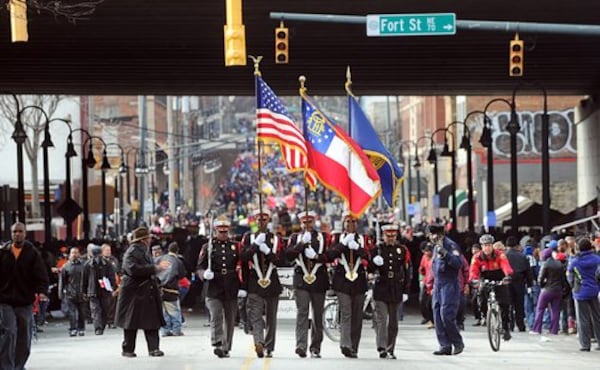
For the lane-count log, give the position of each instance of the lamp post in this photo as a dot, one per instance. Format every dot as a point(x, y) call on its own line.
point(487, 142)
point(545, 150)
point(465, 144)
point(90, 162)
point(118, 189)
point(417, 166)
point(47, 143)
point(407, 166)
point(452, 154)
point(19, 136)
point(141, 170)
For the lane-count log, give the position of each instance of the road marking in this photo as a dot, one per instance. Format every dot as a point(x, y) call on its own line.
point(249, 358)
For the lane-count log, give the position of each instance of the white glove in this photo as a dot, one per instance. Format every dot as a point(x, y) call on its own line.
point(378, 260)
point(347, 238)
point(530, 290)
point(306, 237)
point(352, 244)
point(264, 248)
point(208, 275)
point(260, 238)
point(404, 297)
point(242, 293)
point(310, 253)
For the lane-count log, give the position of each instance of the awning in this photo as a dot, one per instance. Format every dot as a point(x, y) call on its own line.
point(591, 219)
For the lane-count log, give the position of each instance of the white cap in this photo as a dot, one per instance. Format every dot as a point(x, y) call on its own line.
point(390, 228)
point(258, 212)
point(309, 214)
point(222, 222)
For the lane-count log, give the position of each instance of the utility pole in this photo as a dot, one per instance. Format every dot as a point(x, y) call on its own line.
point(172, 160)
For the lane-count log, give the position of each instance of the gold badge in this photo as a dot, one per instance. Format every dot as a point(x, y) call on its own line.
point(309, 278)
point(398, 250)
point(232, 247)
point(264, 282)
point(351, 275)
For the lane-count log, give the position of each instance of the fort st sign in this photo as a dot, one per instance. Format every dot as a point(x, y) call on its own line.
point(426, 24)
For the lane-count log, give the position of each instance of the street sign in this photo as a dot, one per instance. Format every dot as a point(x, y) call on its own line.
point(426, 24)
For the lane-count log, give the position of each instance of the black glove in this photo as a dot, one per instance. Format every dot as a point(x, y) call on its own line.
point(442, 252)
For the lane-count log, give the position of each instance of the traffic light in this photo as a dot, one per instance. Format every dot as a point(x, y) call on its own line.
point(235, 45)
point(516, 57)
point(282, 44)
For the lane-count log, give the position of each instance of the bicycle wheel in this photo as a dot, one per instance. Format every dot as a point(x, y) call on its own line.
point(331, 321)
point(493, 328)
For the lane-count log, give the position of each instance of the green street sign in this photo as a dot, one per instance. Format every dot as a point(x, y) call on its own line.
point(427, 24)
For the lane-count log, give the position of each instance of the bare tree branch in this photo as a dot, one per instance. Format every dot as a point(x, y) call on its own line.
point(71, 10)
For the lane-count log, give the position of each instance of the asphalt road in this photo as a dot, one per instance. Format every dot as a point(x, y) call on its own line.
point(54, 349)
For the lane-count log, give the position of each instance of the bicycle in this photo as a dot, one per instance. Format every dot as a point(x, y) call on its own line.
point(493, 318)
point(331, 314)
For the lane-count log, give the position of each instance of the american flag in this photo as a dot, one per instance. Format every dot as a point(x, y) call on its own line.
point(274, 123)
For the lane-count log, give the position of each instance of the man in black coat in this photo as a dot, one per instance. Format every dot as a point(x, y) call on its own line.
point(139, 304)
point(22, 276)
point(522, 277)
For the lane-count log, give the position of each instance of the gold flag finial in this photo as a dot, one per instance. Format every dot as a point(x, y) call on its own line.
point(348, 84)
point(302, 80)
point(256, 61)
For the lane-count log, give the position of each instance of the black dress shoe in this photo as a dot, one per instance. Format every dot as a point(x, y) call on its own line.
point(156, 353)
point(300, 352)
point(99, 332)
point(584, 349)
point(443, 352)
point(458, 349)
point(506, 336)
point(382, 354)
point(259, 348)
point(219, 352)
point(315, 354)
point(268, 353)
point(226, 354)
point(128, 354)
point(346, 351)
point(391, 356)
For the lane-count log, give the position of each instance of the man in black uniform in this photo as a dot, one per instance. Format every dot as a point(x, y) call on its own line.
point(307, 250)
point(260, 255)
point(349, 283)
point(218, 265)
point(392, 268)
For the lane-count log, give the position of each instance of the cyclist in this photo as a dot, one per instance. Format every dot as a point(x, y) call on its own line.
point(491, 264)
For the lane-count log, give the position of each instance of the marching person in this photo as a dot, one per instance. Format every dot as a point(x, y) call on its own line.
point(22, 276)
point(391, 265)
point(446, 265)
point(307, 250)
point(261, 254)
point(349, 282)
point(218, 266)
point(139, 304)
point(492, 264)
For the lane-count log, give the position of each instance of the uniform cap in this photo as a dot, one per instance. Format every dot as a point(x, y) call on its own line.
point(221, 222)
point(391, 229)
point(258, 212)
point(309, 214)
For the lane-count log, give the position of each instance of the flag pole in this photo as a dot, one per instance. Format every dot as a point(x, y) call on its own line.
point(348, 87)
point(302, 80)
point(256, 61)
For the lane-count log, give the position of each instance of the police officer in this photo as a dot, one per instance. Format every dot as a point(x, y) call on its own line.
point(390, 263)
point(446, 265)
point(349, 282)
point(307, 250)
point(218, 266)
point(260, 256)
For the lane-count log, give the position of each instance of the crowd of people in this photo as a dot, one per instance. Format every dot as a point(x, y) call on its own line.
point(230, 262)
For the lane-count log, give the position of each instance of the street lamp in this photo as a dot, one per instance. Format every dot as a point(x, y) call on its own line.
point(545, 150)
point(117, 189)
point(417, 166)
point(452, 154)
point(90, 162)
point(19, 136)
point(407, 166)
point(487, 141)
point(140, 171)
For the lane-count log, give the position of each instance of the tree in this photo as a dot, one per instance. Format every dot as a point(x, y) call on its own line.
point(33, 121)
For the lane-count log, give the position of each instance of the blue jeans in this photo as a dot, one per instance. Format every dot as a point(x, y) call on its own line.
point(172, 315)
point(16, 327)
point(531, 304)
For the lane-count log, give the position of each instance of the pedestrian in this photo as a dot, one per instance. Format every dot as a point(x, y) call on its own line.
point(169, 291)
point(522, 280)
point(307, 251)
point(99, 283)
point(70, 287)
point(139, 304)
point(446, 265)
point(218, 266)
point(261, 253)
point(22, 276)
point(349, 282)
point(583, 276)
point(392, 269)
